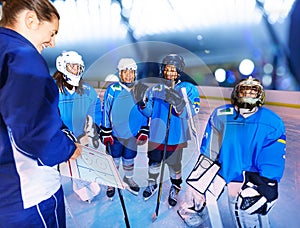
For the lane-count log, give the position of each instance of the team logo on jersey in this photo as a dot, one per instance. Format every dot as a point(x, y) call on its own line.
point(116, 87)
point(225, 111)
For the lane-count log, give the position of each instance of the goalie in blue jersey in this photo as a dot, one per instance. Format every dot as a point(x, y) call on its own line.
point(248, 143)
point(80, 109)
point(123, 126)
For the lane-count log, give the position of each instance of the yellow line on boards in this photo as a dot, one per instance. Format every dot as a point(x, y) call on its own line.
point(266, 103)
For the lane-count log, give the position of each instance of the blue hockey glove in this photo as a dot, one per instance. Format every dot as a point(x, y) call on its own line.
point(106, 136)
point(142, 135)
point(258, 194)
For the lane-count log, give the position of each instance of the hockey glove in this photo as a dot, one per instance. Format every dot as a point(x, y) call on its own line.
point(159, 91)
point(175, 99)
point(258, 194)
point(142, 135)
point(92, 131)
point(139, 92)
point(106, 136)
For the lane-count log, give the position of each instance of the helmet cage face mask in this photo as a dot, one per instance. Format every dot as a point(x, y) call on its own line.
point(172, 60)
point(248, 93)
point(71, 65)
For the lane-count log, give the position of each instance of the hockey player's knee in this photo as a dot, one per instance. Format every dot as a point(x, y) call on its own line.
point(175, 171)
point(154, 168)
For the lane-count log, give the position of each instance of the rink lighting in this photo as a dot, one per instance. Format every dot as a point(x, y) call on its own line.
point(94, 19)
point(220, 75)
point(268, 68)
point(267, 80)
point(246, 67)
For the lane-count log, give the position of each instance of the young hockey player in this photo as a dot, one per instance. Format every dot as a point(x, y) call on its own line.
point(248, 142)
point(33, 139)
point(155, 102)
point(123, 126)
point(80, 109)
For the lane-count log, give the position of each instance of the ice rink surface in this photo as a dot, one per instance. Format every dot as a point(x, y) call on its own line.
point(103, 212)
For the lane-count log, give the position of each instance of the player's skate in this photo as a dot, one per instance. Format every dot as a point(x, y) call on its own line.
point(150, 190)
point(173, 195)
point(110, 192)
point(132, 186)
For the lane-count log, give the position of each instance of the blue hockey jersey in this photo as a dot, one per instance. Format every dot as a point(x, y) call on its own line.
point(31, 140)
point(74, 108)
point(256, 143)
point(158, 110)
point(121, 113)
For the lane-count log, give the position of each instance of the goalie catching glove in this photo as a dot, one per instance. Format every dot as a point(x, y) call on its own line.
point(106, 136)
point(142, 135)
point(258, 194)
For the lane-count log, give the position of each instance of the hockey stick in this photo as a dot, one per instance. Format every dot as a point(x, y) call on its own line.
point(155, 214)
point(192, 126)
point(120, 196)
point(211, 200)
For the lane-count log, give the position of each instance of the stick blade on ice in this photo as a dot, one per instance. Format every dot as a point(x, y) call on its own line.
point(154, 217)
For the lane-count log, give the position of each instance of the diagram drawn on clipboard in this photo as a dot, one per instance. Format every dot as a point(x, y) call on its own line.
point(93, 166)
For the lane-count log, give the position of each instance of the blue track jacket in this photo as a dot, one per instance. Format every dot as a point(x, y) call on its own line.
point(31, 140)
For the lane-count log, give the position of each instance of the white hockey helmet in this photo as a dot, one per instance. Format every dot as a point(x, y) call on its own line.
point(127, 64)
point(71, 65)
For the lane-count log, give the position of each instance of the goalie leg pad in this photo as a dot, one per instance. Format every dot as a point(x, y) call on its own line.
point(246, 220)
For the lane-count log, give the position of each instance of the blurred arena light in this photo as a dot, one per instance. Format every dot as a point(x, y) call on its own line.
point(246, 67)
point(220, 75)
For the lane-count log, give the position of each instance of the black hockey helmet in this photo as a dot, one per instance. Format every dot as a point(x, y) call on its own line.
point(256, 89)
point(175, 60)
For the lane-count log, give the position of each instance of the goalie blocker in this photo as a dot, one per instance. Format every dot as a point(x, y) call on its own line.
point(204, 177)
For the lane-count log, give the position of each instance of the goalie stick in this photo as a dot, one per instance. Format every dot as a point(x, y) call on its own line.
point(211, 199)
